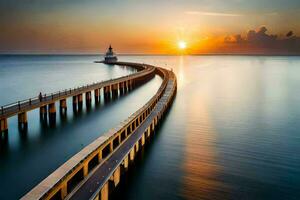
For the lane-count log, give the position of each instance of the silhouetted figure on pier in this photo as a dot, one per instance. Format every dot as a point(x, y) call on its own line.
point(40, 96)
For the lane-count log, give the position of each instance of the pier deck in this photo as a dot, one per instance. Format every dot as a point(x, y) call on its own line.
point(88, 173)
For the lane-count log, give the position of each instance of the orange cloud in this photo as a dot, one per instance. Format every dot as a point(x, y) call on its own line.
point(254, 42)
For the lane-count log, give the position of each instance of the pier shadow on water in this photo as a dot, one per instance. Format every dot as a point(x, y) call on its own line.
point(51, 124)
point(83, 113)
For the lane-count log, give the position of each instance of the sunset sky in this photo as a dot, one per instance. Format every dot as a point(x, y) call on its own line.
point(157, 26)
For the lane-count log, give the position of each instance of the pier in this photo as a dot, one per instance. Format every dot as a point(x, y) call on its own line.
point(47, 103)
point(96, 170)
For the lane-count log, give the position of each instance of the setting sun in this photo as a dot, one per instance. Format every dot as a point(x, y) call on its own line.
point(182, 44)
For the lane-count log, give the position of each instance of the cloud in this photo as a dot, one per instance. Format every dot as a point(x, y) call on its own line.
point(289, 34)
point(260, 41)
point(215, 14)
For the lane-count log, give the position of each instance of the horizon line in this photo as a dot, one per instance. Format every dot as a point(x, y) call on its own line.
point(150, 54)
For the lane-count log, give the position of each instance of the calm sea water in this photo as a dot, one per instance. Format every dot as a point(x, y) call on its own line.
point(232, 132)
point(26, 159)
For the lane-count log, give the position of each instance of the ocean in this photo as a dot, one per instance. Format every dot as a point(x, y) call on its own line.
point(231, 133)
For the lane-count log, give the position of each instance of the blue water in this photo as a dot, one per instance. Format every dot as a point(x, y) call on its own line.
point(232, 132)
point(23, 77)
point(28, 158)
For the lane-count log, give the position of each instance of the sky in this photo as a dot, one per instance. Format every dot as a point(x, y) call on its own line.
point(150, 27)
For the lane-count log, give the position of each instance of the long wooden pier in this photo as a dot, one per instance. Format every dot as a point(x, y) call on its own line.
point(46, 103)
point(96, 170)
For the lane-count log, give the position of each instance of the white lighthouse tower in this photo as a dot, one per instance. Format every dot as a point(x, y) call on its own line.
point(110, 56)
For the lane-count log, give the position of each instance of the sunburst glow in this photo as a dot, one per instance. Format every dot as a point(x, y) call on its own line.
point(182, 44)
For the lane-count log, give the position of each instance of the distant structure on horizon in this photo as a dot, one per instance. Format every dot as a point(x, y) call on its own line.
point(110, 56)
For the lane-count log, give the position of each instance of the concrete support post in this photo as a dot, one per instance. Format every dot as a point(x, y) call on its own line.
point(75, 102)
point(88, 99)
point(121, 88)
point(85, 169)
point(104, 192)
point(63, 106)
point(80, 101)
point(149, 131)
point(64, 190)
point(43, 110)
point(97, 95)
point(128, 85)
point(137, 146)
point(111, 146)
point(43, 114)
point(115, 90)
point(143, 139)
point(131, 154)
point(126, 134)
point(125, 86)
point(52, 113)
point(107, 92)
point(153, 127)
point(52, 108)
point(126, 162)
point(117, 174)
point(3, 126)
point(100, 156)
point(22, 121)
point(131, 127)
point(132, 83)
point(120, 139)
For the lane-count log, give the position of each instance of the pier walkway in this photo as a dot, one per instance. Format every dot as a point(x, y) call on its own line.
point(110, 89)
point(96, 170)
point(91, 188)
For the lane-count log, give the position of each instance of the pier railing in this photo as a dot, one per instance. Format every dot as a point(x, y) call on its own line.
point(31, 103)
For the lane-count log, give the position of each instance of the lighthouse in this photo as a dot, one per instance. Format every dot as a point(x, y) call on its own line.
point(110, 56)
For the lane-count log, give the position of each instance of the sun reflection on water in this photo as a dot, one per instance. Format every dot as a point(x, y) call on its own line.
point(200, 165)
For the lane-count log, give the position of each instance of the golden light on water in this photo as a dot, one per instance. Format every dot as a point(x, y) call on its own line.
point(200, 164)
point(200, 156)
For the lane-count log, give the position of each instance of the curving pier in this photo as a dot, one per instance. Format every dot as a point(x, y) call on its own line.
point(96, 170)
point(46, 103)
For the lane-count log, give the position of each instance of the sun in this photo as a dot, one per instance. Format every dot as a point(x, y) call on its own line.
point(182, 44)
